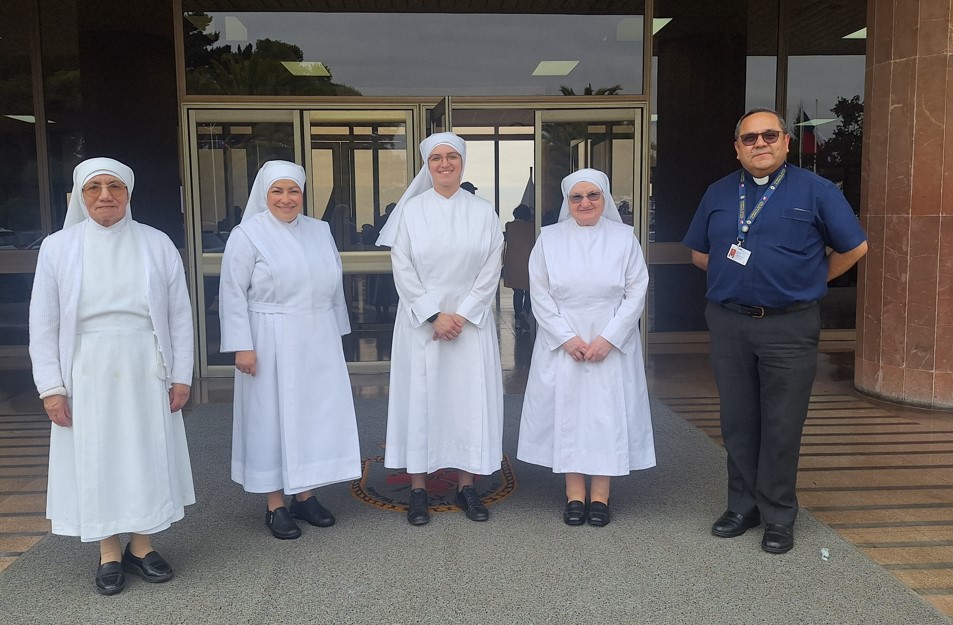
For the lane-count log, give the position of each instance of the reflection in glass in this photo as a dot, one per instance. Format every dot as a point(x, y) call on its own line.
point(230, 51)
point(372, 303)
point(358, 169)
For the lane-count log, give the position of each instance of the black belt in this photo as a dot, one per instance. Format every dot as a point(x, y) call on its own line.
point(760, 311)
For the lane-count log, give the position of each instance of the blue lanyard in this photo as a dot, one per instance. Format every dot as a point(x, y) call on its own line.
point(744, 223)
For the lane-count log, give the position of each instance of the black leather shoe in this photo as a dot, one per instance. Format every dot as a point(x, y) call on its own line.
point(778, 538)
point(599, 514)
point(575, 513)
point(110, 579)
point(151, 567)
point(469, 501)
point(732, 524)
point(311, 511)
point(417, 511)
point(281, 524)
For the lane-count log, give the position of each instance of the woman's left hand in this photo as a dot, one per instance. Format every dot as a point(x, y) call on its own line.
point(598, 350)
point(178, 395)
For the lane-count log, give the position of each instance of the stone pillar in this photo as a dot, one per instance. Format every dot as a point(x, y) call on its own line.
point(904, 347)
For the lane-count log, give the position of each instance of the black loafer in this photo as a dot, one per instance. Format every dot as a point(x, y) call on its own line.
point(575, 513)
point(599, 514)
point(778, 538)
point(469, 501)
point(151, 567)
point(281, 524)
point(311, 511)
point(417, 512)
point(732, 524)
point(110, 578)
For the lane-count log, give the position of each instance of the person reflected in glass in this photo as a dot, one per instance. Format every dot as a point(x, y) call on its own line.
point(586, 408)
point(283, 313)
point(445, 408)
point(519, 235)
point(111, 345)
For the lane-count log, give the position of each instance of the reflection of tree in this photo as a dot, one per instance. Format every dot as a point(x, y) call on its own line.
point(613, 90)
point(248, 70)
point(839, 157)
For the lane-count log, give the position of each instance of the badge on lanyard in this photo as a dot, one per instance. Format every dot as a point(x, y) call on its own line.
point(738, 254)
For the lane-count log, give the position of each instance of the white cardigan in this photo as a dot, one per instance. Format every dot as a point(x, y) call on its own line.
point(55, 302)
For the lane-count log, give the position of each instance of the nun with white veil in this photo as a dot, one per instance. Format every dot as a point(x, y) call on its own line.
point(282, 309)
point(586, 408)
point(445, 407)
point(111, 345)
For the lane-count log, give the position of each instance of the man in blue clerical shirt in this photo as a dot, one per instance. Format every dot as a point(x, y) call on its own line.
point(763, 235)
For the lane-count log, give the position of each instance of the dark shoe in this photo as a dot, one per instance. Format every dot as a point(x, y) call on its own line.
point(311, 511)
point(575, 513)
point(778, 538)
point(731, 524)
point(110, 579)
point(417, 511)
point(469, 501)
point(281, 524)
point(599, 514)
point(151, 567)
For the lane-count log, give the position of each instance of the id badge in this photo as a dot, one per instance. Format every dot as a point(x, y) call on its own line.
point(738, 254)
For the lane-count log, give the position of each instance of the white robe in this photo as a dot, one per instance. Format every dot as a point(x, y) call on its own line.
point(445, 407)
point(281, 294)
point(123, 466)
point(582, 417)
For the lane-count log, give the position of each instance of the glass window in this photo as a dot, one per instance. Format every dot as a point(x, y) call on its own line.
point(251, 52)
point(20, 209)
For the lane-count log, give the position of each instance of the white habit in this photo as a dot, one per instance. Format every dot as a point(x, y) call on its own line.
point(123, 466)
point(582, 417)
point(445, 408)
point(281, 295)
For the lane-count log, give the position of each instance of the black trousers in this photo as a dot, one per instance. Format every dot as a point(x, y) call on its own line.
point(764, 369)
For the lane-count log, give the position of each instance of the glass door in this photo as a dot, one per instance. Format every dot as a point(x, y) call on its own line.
point(226, 149)
point(359, 163)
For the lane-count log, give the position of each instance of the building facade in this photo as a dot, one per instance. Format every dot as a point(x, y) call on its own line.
point(195, 94)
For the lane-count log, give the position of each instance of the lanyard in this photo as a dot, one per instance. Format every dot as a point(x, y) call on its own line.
point(744, 224)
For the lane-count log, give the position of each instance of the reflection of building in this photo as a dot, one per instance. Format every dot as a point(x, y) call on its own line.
point(194, 105)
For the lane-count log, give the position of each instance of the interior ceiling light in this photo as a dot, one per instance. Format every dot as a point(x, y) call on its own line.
point(554, 68)
point(859, 34)
point(659, 23)
point(234, 29)
point(306, 68)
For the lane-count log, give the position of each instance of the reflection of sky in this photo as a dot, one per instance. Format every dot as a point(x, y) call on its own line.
point(815, 82)
point(457, 54)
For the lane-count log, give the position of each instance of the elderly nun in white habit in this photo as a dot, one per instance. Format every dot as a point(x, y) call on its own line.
point(111, 344)
point(586, 408)
point(445, 408)
point(283, 313)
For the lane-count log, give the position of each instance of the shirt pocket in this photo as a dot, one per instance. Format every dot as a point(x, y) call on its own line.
point(797, 225)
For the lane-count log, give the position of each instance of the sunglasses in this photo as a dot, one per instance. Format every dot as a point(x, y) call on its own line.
point(769, 136)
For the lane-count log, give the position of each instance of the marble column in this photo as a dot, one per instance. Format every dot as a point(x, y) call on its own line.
point(904, 347)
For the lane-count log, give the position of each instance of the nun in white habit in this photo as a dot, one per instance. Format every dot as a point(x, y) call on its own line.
point(445, 408)
point(282, 309)
point(111, 345)
point(586, 408)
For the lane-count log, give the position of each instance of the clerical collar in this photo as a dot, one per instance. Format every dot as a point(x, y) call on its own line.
point(760, 181)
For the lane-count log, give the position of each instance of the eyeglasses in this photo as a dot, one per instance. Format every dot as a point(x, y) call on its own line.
point(453, 157)
point(769, 136)
point(592, 196)
point(95, 189)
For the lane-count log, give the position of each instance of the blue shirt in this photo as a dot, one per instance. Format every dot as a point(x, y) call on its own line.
point(787, 240)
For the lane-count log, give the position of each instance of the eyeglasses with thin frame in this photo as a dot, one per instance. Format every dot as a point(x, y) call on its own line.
point(452, 157)
point(592, 196)
point(95, 189)
point(769, 136)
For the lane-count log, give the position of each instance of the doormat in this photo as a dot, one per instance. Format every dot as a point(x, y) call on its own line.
point(389, 489)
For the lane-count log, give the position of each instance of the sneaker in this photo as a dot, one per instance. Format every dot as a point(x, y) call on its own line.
point(417, 512)
point(469, 501)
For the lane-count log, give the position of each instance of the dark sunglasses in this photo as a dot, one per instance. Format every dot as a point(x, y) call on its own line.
point(769, 136)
